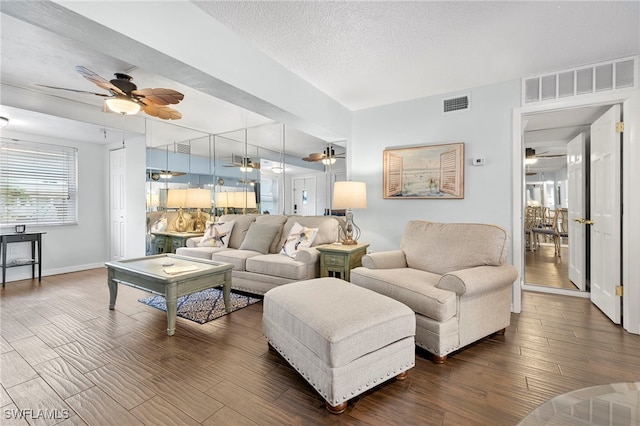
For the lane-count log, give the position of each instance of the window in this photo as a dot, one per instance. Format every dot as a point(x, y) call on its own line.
point(38, 184)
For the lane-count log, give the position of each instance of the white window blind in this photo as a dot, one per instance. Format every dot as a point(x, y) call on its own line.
point(38, 184)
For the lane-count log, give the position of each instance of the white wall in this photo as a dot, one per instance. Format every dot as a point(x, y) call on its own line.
point(72, 247)
point(486, 132)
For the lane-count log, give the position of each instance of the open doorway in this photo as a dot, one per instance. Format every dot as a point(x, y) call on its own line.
point(549, 195)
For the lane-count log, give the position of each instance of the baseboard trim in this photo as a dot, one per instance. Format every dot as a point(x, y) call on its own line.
point(553, 290)
point(26, 274)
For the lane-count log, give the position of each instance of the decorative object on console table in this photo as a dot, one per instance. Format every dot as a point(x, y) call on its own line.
point(338, 260)
point(20, 229)
point(177, 198)
point(432, 171)
point(35, 238)
point(350, 195)
point(199, 199)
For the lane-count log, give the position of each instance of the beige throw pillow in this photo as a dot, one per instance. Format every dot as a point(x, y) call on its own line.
point(259, 237)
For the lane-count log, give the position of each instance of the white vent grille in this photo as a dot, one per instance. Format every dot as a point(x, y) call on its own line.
point(460, 103)
point(597, 78)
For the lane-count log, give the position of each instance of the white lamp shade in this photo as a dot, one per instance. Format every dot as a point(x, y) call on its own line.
point(198, 198)
point(176, 198)
point(349, 195)
point(221, 199)
point(242, 200)
point(122, 105)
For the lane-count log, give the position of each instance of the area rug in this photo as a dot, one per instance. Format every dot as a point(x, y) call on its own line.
point(203, 306)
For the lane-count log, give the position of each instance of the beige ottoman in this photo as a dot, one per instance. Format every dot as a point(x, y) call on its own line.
point(341, 338)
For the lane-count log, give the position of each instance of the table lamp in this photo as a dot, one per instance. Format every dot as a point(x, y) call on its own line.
point(176, 198)
point(198, 198)
point(350, 195)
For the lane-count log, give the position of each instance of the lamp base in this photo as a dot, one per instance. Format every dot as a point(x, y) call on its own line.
point(349, 242)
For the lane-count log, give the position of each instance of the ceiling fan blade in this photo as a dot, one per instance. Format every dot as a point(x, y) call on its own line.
point(97, 80)
point(315, 156)
point(159, 96)
point(73, 90)
point(162, 112)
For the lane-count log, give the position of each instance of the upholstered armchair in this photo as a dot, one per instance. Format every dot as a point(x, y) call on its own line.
point(454, 276)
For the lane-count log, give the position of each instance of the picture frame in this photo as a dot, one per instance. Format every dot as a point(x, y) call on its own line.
point(424, 172)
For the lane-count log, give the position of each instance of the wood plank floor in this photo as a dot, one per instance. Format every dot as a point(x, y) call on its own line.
point(64, 353)
point(544, 268)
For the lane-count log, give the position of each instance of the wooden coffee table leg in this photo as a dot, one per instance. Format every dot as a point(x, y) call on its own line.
point(171, 299)
point(226, 291)
point(336, 409)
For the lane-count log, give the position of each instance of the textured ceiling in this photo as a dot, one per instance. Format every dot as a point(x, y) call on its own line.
point(371, 53)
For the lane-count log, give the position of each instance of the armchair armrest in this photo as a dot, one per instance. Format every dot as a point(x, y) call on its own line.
point(480, 279)
point(385, 260)
point(308, 255)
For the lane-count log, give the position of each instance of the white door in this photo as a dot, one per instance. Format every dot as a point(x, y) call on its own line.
point(605, 213)
point(304, 196)
point(577, 211)
point(117, 191)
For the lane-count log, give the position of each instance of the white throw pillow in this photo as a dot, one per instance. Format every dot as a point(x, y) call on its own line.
point(299, 237)
point(216, 234)
point(159, 225)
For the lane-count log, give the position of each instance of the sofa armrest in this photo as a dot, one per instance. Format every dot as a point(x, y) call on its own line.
point(480, 279)
point(193, 241)
point(308, 255)
point(385, 260)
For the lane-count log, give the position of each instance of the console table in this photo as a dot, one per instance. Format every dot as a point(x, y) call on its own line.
point(338, 260)
point(35, 238)
point(168, 242)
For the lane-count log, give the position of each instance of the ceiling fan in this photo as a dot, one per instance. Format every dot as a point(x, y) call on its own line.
point(244, 163)
point(125, 98)
point(327, 157)
point(163, 174)
point(530, 153)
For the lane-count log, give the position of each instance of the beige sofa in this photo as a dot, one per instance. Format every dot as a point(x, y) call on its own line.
point(453, 275)
point(257, 271)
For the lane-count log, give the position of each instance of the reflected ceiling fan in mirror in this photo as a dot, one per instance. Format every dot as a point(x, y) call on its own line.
point(327, 157)
point(164, 174)
point(530, 154)
point(125, 97)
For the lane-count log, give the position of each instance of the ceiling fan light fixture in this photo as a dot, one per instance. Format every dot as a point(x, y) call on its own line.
point(328, 161)
point(246, 169)
point(277, 170)
point(122, 105)
point(166, 175)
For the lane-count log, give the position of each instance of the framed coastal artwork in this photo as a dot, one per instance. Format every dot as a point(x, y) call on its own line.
point(424, 172)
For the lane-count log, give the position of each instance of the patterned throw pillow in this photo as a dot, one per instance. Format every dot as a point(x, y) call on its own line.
point(216, 234)
point(299, 237)
point(159, 225)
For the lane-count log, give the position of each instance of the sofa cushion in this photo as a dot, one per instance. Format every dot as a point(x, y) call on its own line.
point(199, 252)
point(259, 237)
point(240, 227)
point(299, 237)
point(279, 265)
point(446, 247)
point(413, 287)
point(238, 258)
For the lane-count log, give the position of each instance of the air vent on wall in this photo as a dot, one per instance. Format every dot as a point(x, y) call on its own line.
point(182, 148)
point(459, 103)
point(609, 76)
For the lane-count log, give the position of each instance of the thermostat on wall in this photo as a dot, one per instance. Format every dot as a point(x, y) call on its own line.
point(477, 161)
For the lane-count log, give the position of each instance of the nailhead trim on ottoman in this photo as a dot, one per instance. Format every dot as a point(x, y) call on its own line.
point(341, 338)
